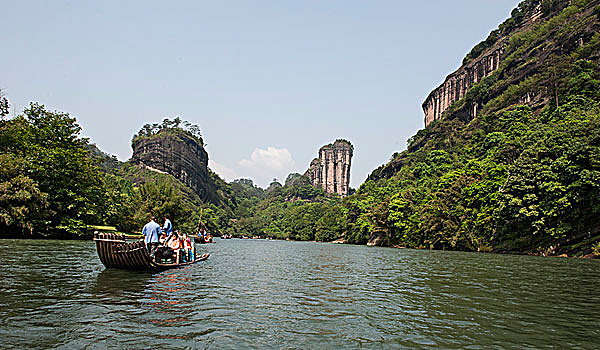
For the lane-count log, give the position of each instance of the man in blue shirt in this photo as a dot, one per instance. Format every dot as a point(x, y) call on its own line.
point(151, 231)
point(167, 227)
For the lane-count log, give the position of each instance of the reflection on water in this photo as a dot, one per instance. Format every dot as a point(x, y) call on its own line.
point(168, 302)
point(113, 282)
point(274, 294)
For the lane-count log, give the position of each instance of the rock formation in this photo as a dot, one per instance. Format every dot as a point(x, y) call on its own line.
point(175, 153)
point(457, 84)
point(331, 171)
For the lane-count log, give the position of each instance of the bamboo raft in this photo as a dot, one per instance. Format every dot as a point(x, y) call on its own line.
point(201, 240)
point(114, 252)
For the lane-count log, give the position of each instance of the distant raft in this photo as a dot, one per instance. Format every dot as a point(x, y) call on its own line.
point(202, 240)
point(114, 252)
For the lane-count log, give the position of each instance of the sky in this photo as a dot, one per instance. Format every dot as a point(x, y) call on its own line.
point(268, 82)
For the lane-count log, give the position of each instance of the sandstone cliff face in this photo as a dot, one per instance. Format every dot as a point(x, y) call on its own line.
point(177, 154)
point(331, 171)
point(456, 85)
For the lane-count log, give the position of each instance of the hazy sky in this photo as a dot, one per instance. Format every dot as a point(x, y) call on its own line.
point(268, 82)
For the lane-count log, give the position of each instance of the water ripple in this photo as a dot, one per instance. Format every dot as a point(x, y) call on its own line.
point(291, 295)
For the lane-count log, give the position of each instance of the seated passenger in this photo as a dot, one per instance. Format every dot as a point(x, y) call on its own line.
point(175, 244)
point(187, 245)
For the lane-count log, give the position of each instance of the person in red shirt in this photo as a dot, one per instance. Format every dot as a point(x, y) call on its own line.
point(187, 245)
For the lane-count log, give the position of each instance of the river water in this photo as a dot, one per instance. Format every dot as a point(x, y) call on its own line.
point(297, 295)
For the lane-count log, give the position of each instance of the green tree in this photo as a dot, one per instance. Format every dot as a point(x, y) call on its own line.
point(23, 207)
point(330, 225)
point(56, 168)
point(4, 105)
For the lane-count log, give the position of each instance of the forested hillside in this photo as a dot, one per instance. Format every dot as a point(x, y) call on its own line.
point(48, 183)
point(521, 176)
point(296, 210)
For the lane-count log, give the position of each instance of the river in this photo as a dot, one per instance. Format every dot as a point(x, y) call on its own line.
point(264, 294)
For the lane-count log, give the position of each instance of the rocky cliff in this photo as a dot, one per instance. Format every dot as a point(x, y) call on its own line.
point(458, 83)
point(486, 58)
point(178, 154)
point(331, 171)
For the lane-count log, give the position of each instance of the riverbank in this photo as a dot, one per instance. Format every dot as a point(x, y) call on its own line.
point(552, 253)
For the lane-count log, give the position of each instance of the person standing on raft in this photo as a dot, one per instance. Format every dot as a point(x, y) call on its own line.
point(167, 228)
point(151, 231)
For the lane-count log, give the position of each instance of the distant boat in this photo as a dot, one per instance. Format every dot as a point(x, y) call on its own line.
point(115, 252)
point(198, 238)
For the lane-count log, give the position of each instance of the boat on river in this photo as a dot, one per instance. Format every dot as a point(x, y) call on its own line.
point(198, 238)
point(115, 252)
point(202, 236)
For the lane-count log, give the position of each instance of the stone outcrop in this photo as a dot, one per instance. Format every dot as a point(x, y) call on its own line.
point(331, 171)
point(457, 84)
point(177, 154)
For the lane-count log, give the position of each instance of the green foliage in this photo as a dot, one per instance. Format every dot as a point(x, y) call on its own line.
point(482, 46)
point(330, 225)
point(548, 192)
point(175, 126)
point(297, 211)
point(22, 205)
point(549, 6)
point(4, 105)
point(54, 187)
point(517, 17)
